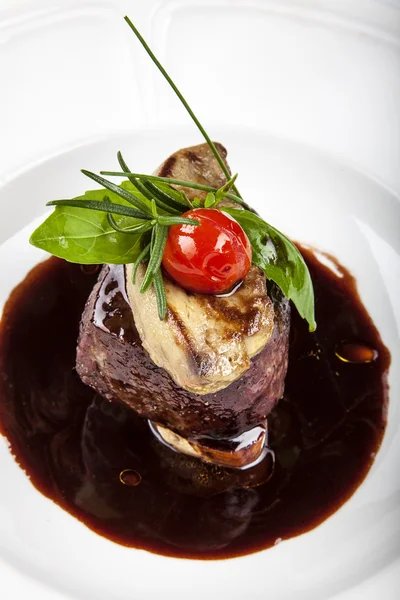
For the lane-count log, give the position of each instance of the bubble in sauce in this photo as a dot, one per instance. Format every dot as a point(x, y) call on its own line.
point(355, 352)
point(130, 477)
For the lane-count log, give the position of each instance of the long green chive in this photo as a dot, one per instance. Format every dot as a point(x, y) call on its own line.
point(182, 99)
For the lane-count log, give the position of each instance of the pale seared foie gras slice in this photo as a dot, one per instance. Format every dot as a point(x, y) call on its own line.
point(205, 342)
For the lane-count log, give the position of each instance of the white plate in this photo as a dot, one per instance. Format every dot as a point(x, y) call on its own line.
point(308, 77)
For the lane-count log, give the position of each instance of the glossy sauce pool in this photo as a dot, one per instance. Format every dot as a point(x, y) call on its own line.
point(101, 463)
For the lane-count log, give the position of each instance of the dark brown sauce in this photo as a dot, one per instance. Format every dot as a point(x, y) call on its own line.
point(102, 464)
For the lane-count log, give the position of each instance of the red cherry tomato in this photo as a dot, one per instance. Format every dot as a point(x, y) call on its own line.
point(210, 258)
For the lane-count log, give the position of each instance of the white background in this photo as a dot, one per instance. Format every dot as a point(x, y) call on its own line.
point(312, 86)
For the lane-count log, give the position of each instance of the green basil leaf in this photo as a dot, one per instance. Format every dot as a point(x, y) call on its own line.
point(210, 200)
point(280, 260)
point(85, 236)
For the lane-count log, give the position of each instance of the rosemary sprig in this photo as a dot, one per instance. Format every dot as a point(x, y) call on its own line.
point(102, 206)
point(153, 273)
point(163, 200)
point(128, 196)
point(161, 297)
point(142, 256)
point(158, 284)
point(146, 223)
point(132, 179)
point(182, 99)
point(170, 181)
point(159, 238)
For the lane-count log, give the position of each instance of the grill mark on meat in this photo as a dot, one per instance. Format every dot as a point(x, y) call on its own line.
point(192, 156)
point(183, 338)
point(195, 157)
point(200, 361)
point(248, 323)
point(196, 164)
point(245, 315)
point(167, 167)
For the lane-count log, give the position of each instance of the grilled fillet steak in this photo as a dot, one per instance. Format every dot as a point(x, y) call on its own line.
point(112, 360)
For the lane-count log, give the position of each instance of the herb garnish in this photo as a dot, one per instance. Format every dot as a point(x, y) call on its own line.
point(128, 223)
point(280, 260)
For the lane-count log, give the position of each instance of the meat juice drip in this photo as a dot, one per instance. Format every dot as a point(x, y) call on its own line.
point(101, 463)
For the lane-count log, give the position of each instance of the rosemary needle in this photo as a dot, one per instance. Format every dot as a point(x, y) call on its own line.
point(171, 181)
point(159, 239)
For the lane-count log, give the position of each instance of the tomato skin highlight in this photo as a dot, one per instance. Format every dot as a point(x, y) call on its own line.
point(210, 258)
